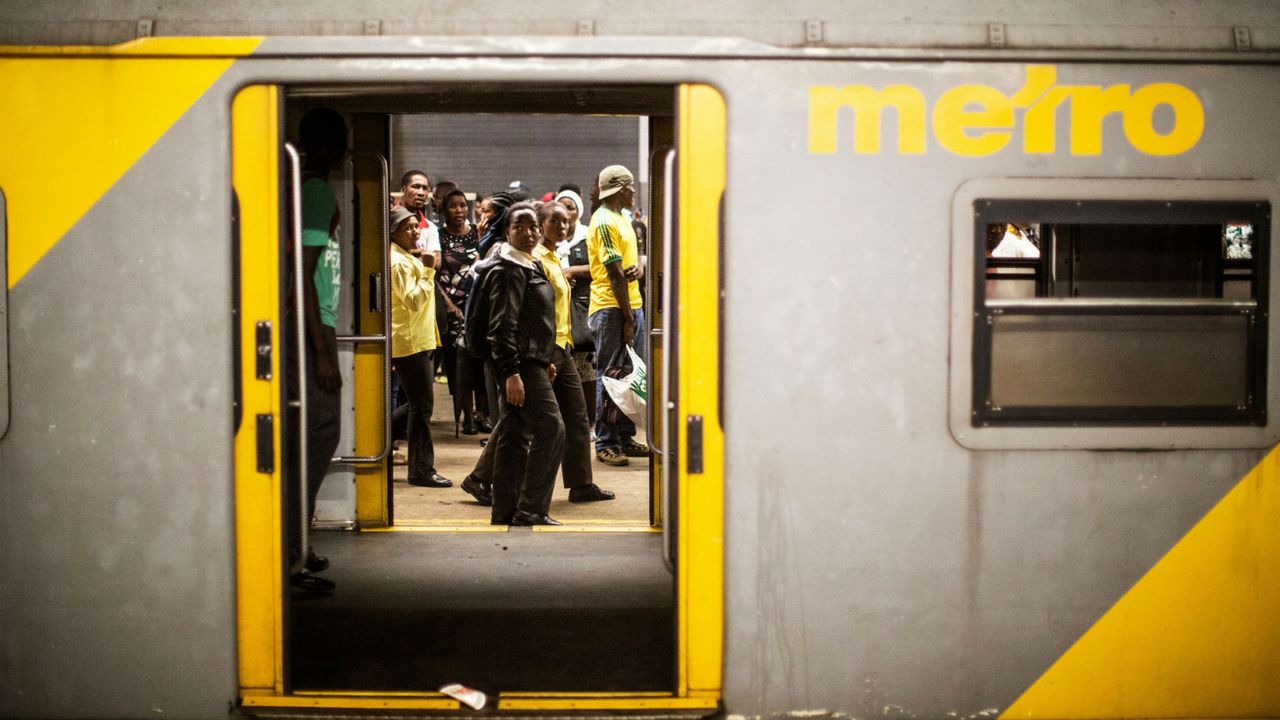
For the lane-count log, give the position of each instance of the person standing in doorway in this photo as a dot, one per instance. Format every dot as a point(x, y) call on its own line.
point(323, 136)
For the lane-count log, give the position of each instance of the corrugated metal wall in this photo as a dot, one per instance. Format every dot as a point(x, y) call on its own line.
point(485, 153)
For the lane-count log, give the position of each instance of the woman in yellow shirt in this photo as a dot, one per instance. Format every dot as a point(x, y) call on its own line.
point(413, 340)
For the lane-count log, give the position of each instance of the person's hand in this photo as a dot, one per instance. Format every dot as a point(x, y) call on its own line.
point(456, 311)
point(631, 272)
point(328, 377)
point(628, 330)
point(515, 390)
point(551, 371)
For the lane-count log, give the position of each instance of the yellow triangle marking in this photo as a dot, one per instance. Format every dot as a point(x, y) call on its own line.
point(1197, 636)
point(72, 126)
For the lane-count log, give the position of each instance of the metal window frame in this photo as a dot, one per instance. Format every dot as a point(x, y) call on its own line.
point(1115, 212)
point(1139, 201)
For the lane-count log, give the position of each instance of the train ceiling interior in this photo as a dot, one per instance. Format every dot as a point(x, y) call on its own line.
point(522, 98)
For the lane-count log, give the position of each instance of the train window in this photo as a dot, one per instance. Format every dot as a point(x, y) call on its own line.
point(4, 316)
point(1119, 312)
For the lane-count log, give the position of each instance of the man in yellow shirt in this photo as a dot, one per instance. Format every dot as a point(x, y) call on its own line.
point(414, 338)
point(615, 299)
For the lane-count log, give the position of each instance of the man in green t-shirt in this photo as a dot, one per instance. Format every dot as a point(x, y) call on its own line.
point(323, 135)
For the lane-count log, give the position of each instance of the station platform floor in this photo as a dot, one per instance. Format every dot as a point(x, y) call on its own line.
point(456, 456)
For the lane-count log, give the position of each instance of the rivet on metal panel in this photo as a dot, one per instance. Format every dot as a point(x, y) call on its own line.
point(145, 28)
point(372, 27)
point(813, 32)
point(995, 34)
point(1242, 38)
point(587, 27)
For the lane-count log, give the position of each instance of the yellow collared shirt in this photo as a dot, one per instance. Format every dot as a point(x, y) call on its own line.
point(413, 305)
point(551, 266)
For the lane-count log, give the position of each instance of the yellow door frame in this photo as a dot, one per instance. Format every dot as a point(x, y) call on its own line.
point(255, 152)
point(700, 550)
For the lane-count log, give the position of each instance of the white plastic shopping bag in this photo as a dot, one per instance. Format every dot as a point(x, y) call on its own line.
point(628, 392)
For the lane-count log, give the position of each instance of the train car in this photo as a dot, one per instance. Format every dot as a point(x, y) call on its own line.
point(964, 384)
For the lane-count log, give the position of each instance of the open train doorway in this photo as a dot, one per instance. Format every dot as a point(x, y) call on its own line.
point(620, 612)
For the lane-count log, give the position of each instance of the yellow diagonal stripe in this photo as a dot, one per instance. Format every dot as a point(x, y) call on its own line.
point(74, 123)
point(1197, 637)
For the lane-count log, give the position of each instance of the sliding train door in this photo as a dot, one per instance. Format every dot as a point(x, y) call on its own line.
point(257, 248)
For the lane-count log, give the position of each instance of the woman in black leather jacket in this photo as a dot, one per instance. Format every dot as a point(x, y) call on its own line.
point(522, 334)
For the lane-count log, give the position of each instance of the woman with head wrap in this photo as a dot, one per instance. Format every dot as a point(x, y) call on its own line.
point(577, 270)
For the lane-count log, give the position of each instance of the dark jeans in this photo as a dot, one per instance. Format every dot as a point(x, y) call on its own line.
point(324, 424)
point(526, 447)
point(576, 461)
point(417, 378)
point(611, 352)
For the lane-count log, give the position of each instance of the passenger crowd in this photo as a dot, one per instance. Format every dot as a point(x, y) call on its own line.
point(523, 310)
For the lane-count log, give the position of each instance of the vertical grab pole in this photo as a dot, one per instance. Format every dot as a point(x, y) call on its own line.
point(299, 300)
point(670, 315)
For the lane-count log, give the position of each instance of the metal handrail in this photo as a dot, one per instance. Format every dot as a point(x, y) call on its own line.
point(300, 308)
point(385, 337)
point(669, 325)
point(651, 314)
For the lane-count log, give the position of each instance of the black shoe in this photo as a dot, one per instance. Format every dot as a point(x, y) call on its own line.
point(434, 480)
point(469, 428)
point(503, 520)
point(589, 493)
point(484, 426)
point(478, 490)
point(310, 583)
point(316, 563)
point(521, 517)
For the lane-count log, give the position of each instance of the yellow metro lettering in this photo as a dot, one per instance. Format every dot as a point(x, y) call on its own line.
point(978, 120)
point(952, 120)
point(1089, 106)
point(1040, 122)
point(867, 104)
point(1188, 119)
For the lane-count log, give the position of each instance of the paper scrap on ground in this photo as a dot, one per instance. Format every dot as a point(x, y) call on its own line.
point(465, 695)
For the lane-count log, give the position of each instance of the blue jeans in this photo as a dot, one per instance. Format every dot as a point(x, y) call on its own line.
point(611, 352)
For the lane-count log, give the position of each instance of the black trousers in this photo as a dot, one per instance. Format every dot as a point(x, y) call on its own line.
point(576, 460)
point(324, 424)
point(526, 447)
point(417, 377)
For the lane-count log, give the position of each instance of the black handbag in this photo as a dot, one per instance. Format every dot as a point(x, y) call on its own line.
point(583, 340)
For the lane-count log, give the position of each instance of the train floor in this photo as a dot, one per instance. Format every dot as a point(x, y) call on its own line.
point(518, 611)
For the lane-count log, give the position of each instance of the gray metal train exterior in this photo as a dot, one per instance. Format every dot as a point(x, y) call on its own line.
point(884, 553)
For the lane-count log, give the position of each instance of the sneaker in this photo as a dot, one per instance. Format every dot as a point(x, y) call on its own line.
point(631, 448)
point(589, 493)
point(612, 456)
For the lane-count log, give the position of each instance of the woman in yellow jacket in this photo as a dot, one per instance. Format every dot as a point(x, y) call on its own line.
point(413, 340)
